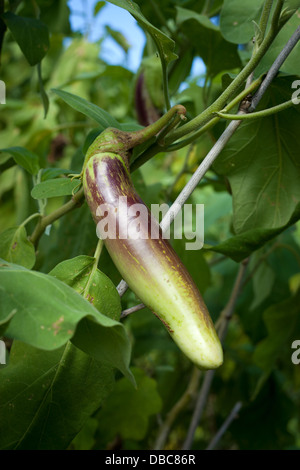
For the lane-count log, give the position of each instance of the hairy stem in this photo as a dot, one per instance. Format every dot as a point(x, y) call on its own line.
point(264, 21)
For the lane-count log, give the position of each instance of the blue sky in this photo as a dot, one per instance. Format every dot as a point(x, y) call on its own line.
point(82, 19)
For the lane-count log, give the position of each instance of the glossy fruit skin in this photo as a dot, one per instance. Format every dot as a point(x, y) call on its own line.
point(151, 267)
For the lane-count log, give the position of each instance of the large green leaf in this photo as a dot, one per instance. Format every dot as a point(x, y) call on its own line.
point(164, 44)
point(31, 35)
point(47, 396)
point(217, 53)
point(236, 19)
point(88, 109)
point(47, 313)
point(127, 410)
point(241, 246)
point(283, 325)
point(16, 248)
point(292, 64)
point(262, 164)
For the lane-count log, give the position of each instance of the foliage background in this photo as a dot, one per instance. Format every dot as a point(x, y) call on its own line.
point(65, 395)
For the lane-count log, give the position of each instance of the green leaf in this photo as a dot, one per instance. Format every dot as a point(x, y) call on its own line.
point(31, 35)
point(99, 5)
point(78, 227)
point(236, 20)
point(127, 410)
point(241, 246)
point(47, 396)
point(48, 313)
point(44, 96)
point(184, 15)
point(261, 163)
point(16, 248)
point(164, 44)
point(217, 53)
point(119, 38)
point(54, 188)
point(292, 64)
point(95, 286)
point(263, 281)
point(88, 109)
point(282, 322)
point(25, 158)
point(52, 173)
point(85, 439)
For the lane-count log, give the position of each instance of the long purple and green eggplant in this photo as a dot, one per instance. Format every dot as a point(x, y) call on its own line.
point(150, 266)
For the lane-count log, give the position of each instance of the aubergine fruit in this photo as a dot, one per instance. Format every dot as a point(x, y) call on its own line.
point(150, 266)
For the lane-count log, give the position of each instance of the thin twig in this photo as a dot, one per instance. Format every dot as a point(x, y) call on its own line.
point(199, 408)
point(233, 415)
point(226, 314)
point(177, 408)
point(46, 220)
point(225, 317)
point(130, 310)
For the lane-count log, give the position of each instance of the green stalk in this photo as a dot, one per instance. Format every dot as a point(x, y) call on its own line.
point(33, 216)
point(258, 114)
point(49, 219)
point(264, 21)
point(206, 115)
point(97, 254)
point(155, 148)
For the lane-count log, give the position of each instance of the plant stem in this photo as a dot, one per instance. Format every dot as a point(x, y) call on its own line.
point(248, 90)
point(161, 17)
point(130, 310)
point(142, 135)
point(264, 20)
point(274, 68)
point(233, 415)
point(206, 7)
point(206, 115)
point(33, 216)
point(177, 408)
point(155, 148)
point(258, 114)
point(199, 173)
point(94, 268)
point(2, 27)
point(184, 169)
point(49, 219)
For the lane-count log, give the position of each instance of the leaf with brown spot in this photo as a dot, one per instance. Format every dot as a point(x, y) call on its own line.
point(16, 248)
